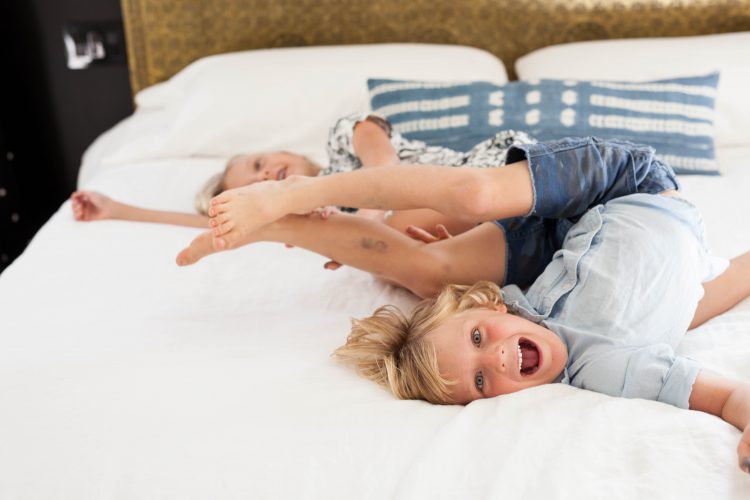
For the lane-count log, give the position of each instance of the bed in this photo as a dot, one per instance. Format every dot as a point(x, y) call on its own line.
point(124, 376)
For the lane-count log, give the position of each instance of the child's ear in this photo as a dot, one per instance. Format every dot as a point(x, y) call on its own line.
point(499, 308)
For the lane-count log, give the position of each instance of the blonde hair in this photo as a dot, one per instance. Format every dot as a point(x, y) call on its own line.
point(213, 186)
point(391, 350)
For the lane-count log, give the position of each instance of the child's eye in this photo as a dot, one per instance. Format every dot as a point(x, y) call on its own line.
point(479, 381)
point(257, 164)
point(476, 337)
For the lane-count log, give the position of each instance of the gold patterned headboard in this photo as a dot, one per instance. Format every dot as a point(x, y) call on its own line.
point(163, 36)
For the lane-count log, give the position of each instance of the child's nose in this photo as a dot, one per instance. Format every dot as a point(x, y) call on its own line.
point(499, 359)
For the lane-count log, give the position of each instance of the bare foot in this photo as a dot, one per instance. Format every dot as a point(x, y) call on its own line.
point(205, 244)
point(199, 248)
point(236, 214)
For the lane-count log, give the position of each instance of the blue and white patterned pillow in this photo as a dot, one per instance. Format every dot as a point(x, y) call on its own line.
point(674, 116)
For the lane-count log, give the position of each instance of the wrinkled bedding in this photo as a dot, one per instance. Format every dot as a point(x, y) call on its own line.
point(124, 376)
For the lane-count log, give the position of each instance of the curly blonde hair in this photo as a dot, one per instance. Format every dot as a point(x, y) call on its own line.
point(391, 349)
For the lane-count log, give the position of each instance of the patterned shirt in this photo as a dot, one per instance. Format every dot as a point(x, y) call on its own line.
point(488, 153)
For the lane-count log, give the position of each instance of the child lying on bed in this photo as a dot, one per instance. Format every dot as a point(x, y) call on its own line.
point(604, 314)
point(354, 142)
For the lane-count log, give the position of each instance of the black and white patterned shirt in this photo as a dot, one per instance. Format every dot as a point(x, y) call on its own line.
point(489, 153)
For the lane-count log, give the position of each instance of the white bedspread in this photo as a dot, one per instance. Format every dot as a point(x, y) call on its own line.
point(123, 376)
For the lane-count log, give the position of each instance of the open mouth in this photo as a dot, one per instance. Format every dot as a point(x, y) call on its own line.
point(528, 357)
point(281, 174)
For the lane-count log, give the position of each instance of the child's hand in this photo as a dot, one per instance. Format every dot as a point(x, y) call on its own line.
point(90, 205)
point(743, 450)
point(425, 237)
point(325, 212)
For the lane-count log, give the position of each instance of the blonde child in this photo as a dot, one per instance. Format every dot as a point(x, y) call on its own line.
point(627, 277)
point(355, 141)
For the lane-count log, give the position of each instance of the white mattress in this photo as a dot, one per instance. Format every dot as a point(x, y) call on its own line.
point(124, 376)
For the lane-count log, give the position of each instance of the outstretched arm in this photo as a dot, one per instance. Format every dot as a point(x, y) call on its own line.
point(91, 205)
point(730, 400)
point(724, 292)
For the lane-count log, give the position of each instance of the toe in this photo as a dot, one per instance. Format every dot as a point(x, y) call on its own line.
point(226, 227)
point(221, 198)
point(220, 208)
point(199, 248)
point(221, 218)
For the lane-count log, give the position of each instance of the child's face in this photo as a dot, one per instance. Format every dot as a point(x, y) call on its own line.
point(481, 348)
point(249, 169)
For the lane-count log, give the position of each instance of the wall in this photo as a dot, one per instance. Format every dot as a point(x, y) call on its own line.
point(84, 103)
point(48, 113)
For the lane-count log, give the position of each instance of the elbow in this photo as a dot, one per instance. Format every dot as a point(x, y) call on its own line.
point(426, 289)
point(476, 199)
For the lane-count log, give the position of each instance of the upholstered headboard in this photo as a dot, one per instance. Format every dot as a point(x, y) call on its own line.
point(163, 36)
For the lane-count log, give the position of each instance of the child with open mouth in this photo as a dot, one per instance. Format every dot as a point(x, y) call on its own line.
point(605, 268)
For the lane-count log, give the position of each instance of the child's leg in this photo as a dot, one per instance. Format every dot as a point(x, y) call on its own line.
point(468, 193)
point(478, 254)
point(553, 180)
point(724, 292)
point(572, 175)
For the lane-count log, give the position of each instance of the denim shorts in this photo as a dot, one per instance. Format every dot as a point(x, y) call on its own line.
point(570, 176)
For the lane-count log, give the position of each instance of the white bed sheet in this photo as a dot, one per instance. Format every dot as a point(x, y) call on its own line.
point(123, 376)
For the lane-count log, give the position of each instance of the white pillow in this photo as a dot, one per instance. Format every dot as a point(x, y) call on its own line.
point(660, 58)
point(283, 99)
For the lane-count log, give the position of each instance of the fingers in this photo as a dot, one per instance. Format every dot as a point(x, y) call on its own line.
point(326, 212)
point(426, 237)
point(331, 265)
point(79, 204)
point(420, 234)
point(77, 211)
point(743, 455)
point(442, 232)
point(80, 194)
